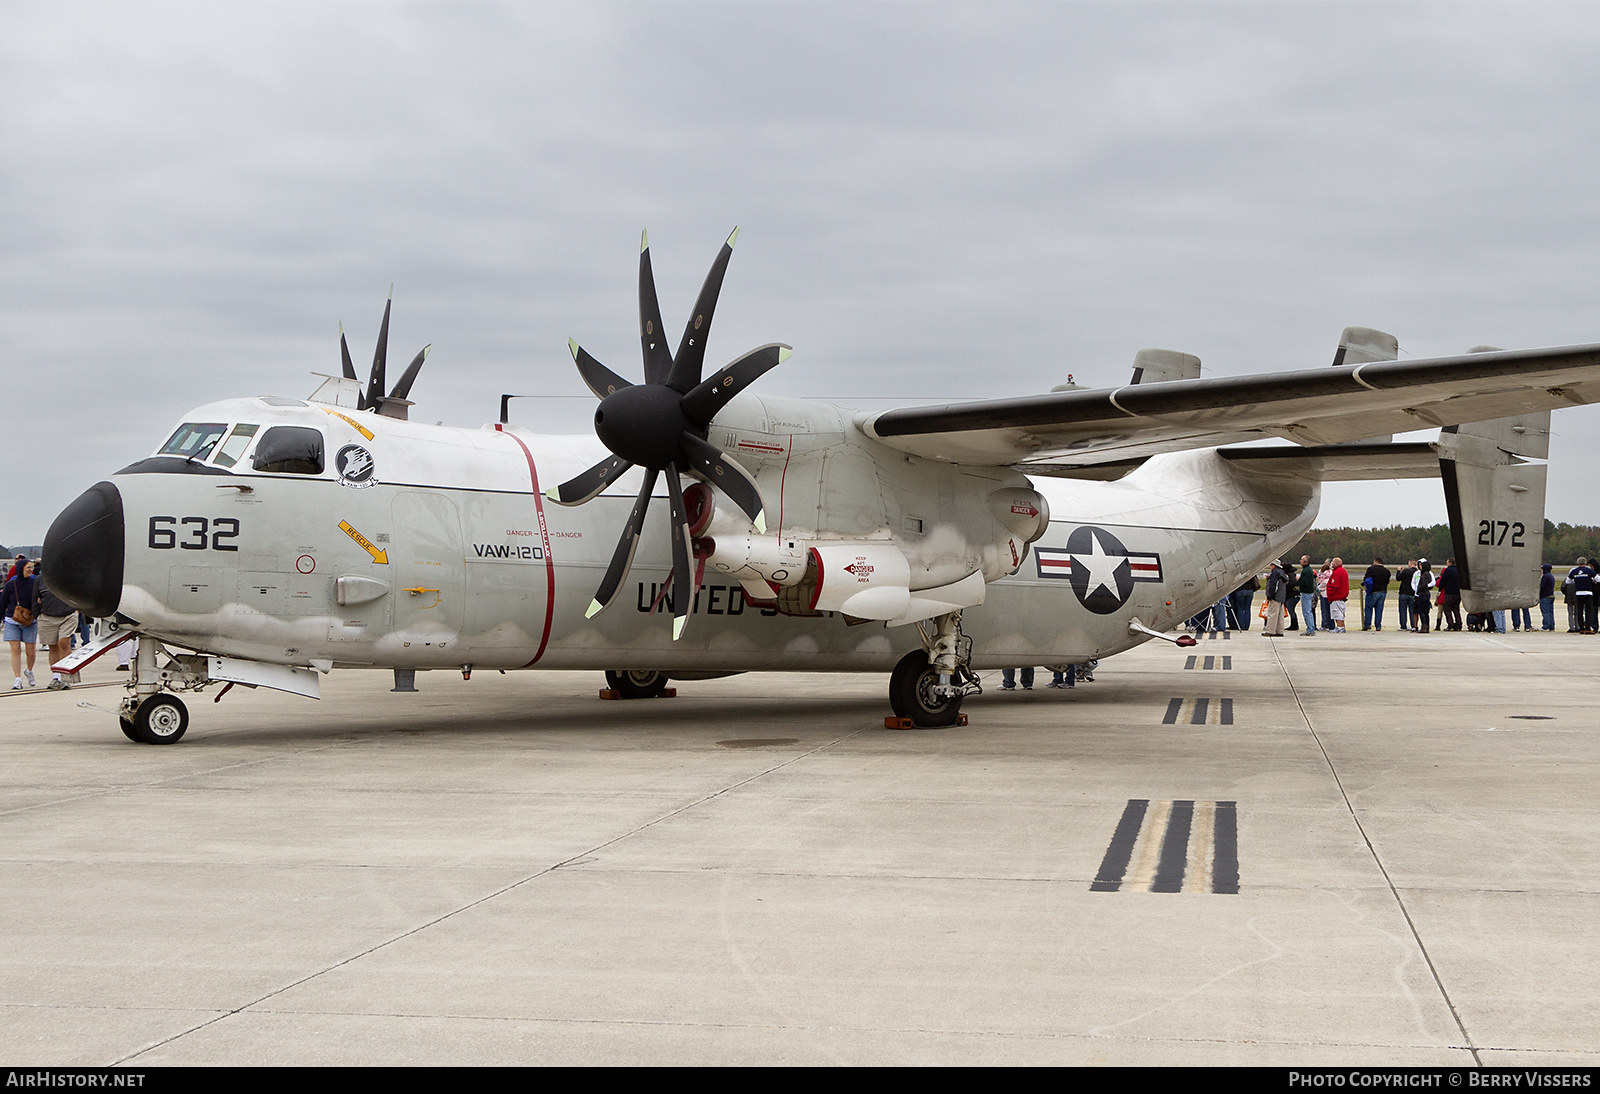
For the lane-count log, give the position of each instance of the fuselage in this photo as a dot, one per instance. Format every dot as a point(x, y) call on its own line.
point(404, 545)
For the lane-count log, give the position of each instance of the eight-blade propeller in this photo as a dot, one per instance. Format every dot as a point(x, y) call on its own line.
point(394, 404)
point(661, 426)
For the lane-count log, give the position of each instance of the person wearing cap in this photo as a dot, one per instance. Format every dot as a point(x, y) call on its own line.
point(1421, 593)
point(1584, 595)
point(1547, 598)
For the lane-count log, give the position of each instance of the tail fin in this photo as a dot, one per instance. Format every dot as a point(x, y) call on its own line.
point(1495, 499)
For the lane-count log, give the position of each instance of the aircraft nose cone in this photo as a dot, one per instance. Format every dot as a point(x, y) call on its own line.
point(83, 551)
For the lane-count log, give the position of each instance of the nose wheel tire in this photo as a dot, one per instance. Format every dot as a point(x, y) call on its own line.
point(637, 683)
point(160, 720)
point(911, 694)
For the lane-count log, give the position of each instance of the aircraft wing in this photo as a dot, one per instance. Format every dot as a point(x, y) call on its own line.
point(1065, 430)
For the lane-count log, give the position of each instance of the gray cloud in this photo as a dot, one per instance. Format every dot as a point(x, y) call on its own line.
point(937, 200)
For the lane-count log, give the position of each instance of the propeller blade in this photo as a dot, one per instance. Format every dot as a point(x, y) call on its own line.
point(710, 396)
point(376, 381)
point(682, 551)
point(720, 471)
point(601, 380)
point(403, 388)
point(617, 572)
point(657, 357)
point(580, 488)
point(691, 355)
point(344, 355)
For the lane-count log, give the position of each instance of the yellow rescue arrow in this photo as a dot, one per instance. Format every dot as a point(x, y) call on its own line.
point(380, 557)
point(357, 426)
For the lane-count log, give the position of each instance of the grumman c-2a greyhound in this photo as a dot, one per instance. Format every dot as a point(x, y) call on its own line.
point(270, 540)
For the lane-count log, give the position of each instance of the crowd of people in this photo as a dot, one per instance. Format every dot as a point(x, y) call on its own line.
point(1309, 598)
point(35, 619)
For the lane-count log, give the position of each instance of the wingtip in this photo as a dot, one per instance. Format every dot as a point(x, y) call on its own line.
point(677, 626)
point(427, 349)
point(595, 608)
point(572, 347)
point(391, 290)
point(733, 237)
point(644, 241)
point(554, 494)
point(761, 522)
point(784, 353)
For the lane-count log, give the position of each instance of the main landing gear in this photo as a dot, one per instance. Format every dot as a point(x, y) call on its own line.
point(927, 686)
point(637, 683)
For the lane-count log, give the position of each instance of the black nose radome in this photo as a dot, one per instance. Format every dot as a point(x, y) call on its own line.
point(83, 551)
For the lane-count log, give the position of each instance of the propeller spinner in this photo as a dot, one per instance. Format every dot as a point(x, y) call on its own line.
point(660, 425)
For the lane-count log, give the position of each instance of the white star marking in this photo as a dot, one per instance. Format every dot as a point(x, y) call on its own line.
point(1102, 568)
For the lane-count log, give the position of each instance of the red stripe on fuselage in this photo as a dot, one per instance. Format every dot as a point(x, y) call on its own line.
point(544, 535)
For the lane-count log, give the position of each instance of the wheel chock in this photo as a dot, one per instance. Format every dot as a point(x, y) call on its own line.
point(610, 693)
point(613, 693)
point(892, 722)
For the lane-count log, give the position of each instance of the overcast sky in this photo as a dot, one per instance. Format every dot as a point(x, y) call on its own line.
point(936, 201)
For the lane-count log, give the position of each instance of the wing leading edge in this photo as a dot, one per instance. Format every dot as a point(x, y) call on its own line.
point(1322, 406)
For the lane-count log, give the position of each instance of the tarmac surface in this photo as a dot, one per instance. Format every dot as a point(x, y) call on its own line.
point(509, 870)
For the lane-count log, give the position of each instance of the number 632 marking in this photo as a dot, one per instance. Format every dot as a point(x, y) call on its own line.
point(199, 533)
point(1487, 537)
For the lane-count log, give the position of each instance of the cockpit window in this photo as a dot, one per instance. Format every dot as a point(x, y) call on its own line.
point(289, 450)
point(234, 446)
point(194, 439)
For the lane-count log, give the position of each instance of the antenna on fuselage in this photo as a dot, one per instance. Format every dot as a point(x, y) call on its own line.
point(505, 407)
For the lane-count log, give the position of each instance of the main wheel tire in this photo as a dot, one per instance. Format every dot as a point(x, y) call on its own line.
point(129, 730)
point(911, 695)
point(161, 720)
point(637, 683)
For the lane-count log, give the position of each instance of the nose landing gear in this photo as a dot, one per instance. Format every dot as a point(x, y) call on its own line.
point(156, 720)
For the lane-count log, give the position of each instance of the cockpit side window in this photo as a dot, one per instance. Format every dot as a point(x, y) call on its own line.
point(289, 450)
point(194, 439)
point(234, 446)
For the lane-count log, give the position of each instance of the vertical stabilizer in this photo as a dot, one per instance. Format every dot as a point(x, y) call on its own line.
point(1495, 499)
point(1154, 366)
point(1362, 345)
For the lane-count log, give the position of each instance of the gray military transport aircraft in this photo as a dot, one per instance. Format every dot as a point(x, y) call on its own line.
point(270, 540)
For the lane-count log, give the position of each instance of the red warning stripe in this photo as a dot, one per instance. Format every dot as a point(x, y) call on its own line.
point(544, 535)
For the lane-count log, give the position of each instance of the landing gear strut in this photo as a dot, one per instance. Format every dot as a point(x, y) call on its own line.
point(927, 686)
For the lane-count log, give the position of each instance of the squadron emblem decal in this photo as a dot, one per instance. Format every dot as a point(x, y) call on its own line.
point(356, 468)
point(1102, 571)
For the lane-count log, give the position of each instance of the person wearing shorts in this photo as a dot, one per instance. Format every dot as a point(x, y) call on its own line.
point(1338, 593)
point(21, 592)
point(57, 623)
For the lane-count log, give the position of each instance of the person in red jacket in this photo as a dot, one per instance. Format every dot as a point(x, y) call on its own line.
point(1338, 593)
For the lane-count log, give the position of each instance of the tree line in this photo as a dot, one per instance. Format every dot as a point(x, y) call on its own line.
point(1564, 544)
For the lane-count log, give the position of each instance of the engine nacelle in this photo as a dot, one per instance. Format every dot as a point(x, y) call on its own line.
point(750, 557)
point(866, 580)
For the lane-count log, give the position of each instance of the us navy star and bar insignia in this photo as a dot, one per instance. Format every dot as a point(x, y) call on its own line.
point(1102, 571)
